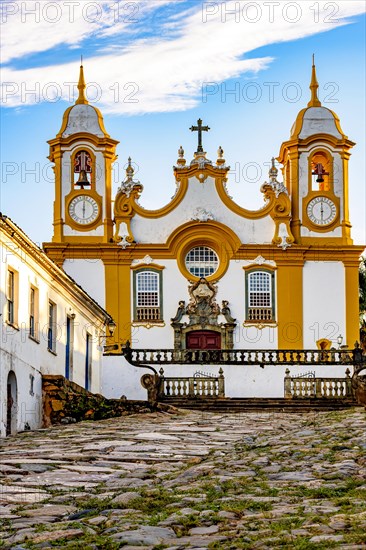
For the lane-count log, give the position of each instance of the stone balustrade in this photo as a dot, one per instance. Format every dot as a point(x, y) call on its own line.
point(305, 387)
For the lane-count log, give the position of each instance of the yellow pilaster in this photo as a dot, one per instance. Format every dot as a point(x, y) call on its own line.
point(294, 182)
point(118, 298)
point(352, 302)
point(290, 304)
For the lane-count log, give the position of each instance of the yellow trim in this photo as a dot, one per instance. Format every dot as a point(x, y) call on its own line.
point(81, 100)
point(148, 324)
point(325, 250)
point(289, 301)
point(145, 266)
point(352, 302)
point(118, 298)
point(259, 267)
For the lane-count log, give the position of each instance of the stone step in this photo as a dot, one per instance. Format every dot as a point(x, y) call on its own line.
point(259, 404)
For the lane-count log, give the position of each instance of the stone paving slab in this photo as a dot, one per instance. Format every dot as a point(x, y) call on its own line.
point(186, 481)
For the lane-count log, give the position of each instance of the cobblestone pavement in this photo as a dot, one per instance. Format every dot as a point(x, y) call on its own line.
point(188, 480)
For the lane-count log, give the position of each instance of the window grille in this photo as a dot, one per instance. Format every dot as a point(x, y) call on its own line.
point(202, 261)
point(260, 299)
point(51, 337)
point(11, 297)
point(147, 296)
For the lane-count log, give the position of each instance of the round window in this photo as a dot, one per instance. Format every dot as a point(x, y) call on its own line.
point(202, 261)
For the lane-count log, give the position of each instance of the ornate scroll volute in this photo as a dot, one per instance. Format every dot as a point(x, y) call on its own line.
point(276, 193)
point(128, 193)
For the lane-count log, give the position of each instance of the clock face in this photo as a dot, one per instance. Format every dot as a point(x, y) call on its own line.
point(321, 211)
point(83, 209)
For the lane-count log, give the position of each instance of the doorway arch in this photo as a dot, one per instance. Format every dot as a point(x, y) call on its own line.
point(11, 404)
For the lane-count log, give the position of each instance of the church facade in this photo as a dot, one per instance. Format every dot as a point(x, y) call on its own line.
point(203, 272)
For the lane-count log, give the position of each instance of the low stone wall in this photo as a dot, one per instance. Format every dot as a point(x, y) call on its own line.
point(65, 402)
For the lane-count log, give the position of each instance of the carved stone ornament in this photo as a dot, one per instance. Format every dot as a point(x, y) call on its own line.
point(203, 314)
point(202, 215)
point(147, 260)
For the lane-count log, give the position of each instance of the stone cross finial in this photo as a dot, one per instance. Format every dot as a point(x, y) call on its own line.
point(199, 128)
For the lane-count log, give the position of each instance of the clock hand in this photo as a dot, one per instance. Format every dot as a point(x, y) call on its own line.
point(321, 210)
point(84, 209)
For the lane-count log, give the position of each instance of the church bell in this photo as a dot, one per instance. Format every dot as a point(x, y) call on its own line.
point(83, 179)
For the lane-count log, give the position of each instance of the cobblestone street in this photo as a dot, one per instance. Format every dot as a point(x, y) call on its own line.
point(188, 481)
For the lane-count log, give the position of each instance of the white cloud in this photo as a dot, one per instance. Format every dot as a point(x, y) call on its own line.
point(162, 74)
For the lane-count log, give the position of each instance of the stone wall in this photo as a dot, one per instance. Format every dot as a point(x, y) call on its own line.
point(65, 402)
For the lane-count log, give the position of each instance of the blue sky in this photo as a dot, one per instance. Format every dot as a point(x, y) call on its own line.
point(159, 65)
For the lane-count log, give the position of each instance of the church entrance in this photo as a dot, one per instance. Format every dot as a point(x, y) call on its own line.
point(11, 404)
point(203, 339)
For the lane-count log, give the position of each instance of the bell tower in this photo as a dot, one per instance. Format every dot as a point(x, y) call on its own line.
point(83, 154)
point(315, 169)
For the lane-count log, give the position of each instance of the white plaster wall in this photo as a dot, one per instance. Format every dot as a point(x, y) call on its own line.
point(146, 230)
point(29, 406)
point(240, 381)
point(23, 354)
point(324, 302)
point(90, 275)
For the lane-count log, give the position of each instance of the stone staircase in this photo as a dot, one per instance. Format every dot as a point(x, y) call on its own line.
point(238, 405)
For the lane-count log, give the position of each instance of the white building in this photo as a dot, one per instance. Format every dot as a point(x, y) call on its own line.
point(49, 325)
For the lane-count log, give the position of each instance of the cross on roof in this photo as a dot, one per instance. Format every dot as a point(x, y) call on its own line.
point(199, 128)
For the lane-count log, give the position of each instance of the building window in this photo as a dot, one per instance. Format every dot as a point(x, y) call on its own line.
point(69, 357)
point(202, 261)
point(33, 313)
point(11, 296)
point(31, 389)
point(88, 362)
point(51, 336)
point(260, 296)
point(148, 295)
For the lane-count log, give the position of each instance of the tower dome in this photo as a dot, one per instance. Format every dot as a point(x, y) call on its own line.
point(82, 117)
point(316, 119)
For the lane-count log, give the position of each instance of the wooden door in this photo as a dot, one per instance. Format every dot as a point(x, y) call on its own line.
point(203, 339)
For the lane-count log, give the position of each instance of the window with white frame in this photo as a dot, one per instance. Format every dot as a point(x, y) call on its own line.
point(33, 313)
point(51, 336)
point(12, 297)
point(202, 261)
point(260, 295)
point(147, 295)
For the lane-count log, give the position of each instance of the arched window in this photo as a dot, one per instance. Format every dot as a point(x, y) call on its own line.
point(260, 296)
point(321, 167)
point(147, 294)
point(83, 167)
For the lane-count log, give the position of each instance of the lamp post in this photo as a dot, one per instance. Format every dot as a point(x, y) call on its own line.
point(339, 341)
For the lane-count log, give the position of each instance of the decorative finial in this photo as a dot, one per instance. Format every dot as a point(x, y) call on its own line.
point(130, 169)
point(81, 100)
point(273, 171)
point(220, 157)
point(181, 162)
point(199, 128)
point(314, 101)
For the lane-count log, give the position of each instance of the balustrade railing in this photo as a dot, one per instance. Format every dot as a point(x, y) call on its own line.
point(332, 388)
point(189, 387)
point(140, 357)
